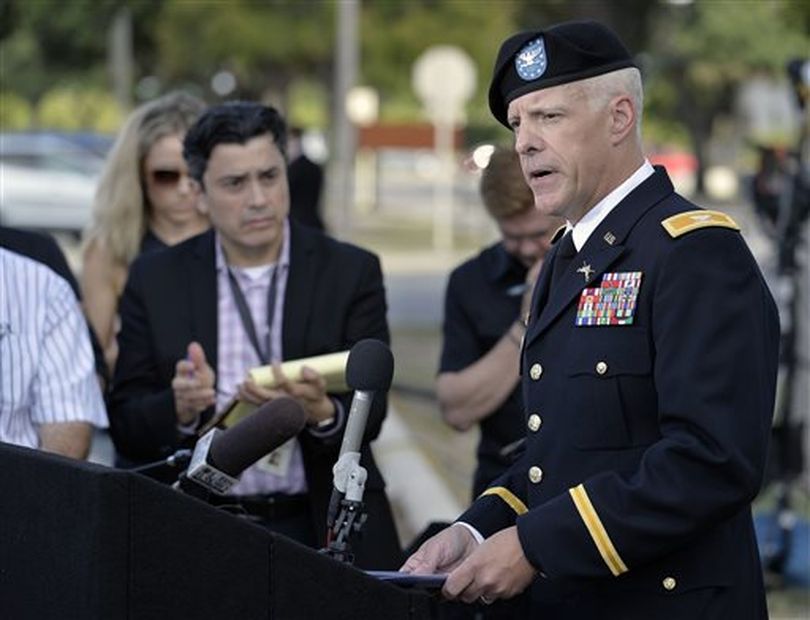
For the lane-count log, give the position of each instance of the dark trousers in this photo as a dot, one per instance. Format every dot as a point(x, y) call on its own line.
point(289, 515)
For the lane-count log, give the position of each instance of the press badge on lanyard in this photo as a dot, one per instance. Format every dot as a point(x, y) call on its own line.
point(278, 461)
point(613, 303)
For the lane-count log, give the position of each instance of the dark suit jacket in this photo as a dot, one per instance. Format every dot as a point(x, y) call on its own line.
point(646, 442)
point(306, 185)
point(42, 248)
point(334, 297)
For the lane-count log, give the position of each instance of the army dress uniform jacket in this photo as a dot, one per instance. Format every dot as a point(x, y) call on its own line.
point(646, 440)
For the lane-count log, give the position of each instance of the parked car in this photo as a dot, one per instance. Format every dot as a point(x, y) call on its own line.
point(47, 179)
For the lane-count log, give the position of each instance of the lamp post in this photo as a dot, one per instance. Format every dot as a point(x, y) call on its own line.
point(444, 78)
point(346, 64)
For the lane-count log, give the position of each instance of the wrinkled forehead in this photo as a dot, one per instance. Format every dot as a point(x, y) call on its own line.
point(561, 97)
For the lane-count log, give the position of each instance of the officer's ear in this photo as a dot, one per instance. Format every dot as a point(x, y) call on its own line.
point(622, 118)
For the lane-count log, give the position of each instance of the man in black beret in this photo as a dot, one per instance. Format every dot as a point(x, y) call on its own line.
point(648, 369)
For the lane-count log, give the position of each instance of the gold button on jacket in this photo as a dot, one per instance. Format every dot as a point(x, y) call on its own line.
point(534, 422)
point(601, 368)
point(535, 371)
point(669, 583)
point(535, 474)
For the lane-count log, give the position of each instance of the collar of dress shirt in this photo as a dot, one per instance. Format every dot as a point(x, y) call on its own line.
point(283, 258)
point(592, 219)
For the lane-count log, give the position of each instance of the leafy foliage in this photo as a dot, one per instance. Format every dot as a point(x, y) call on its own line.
point(52, 42)
point(265, 45)
point(705, 50)
point(694, 56)
point(395, 34)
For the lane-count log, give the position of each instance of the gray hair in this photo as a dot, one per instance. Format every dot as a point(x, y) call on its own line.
point(601, 89)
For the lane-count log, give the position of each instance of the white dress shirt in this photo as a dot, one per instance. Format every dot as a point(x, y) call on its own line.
point(591, 220)
point(47, 369)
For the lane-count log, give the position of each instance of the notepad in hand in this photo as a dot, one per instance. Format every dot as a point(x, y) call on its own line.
point(331, 366)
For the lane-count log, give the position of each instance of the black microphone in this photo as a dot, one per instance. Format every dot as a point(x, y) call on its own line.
point(220, 457)
point(369, 369)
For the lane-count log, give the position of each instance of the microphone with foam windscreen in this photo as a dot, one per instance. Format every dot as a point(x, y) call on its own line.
point(220, 457)
point(369, 371)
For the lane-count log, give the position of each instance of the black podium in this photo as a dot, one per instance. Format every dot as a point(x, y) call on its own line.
point(82, 541)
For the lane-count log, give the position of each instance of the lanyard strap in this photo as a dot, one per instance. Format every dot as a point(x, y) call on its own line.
point(247, 319)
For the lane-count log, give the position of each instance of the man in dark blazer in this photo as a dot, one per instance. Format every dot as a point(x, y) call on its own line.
point(306, 184)
point(648, 367)
point(185, 346)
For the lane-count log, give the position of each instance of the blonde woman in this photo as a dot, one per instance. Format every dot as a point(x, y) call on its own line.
point(144, 202)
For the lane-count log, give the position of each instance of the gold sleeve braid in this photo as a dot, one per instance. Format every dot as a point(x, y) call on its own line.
point(507, 496)
point(597, 531)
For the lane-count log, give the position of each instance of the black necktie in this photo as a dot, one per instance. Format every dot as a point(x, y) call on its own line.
point(564, 256)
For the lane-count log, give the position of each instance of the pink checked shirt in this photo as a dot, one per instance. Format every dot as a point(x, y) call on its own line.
point(236, 355)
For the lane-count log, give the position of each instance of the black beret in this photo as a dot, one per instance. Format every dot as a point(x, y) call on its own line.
point(563, 53)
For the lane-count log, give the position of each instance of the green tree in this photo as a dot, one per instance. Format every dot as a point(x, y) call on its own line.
point(52, 41)
point(79, 109)
point(629, 18)
point(701, 53)
point(47, 44)
point(395, 34)
point(15, 112)
point(269, 46)
point(264, 45)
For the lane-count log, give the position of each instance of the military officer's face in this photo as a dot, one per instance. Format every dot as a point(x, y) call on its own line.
point(527, 235)
point(564, 143)
point(247, 198)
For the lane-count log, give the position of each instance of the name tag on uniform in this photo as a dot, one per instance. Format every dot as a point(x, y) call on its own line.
point(278, 461)
point(613, 303)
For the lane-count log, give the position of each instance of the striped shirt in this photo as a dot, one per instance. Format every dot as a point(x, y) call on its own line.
point(47, 371)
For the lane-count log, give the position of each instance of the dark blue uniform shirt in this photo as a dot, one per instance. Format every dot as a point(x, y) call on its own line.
point(482, 301)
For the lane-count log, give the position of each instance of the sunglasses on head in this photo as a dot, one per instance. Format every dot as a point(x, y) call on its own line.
point(165, 177)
